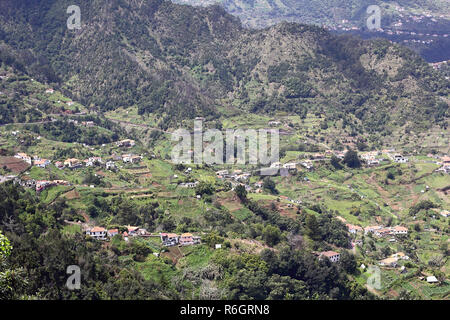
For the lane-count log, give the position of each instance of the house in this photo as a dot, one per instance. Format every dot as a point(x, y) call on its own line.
point(92, 161)
point(332, 255)
point(445, 213)
point(169, 239)
point(222, 173)
point(432, 279)
point(276, 165)
point(354, 229)
point(399, 230)
point(131, 158)
point(126, 143)
point(110, 165)
point(72, 163)
point(290, 165)
point(186, 239)
point(42, 163)
point(133, 231)
point(398, 158)
point(371, 229)
point(373, 162)
point(113, 232)
point(88, 123)
point(24, 157)
point(59, 164)
point(49, 90)
point(389, 262)
point(188, 184)
point(98, 233)
point(445, 160)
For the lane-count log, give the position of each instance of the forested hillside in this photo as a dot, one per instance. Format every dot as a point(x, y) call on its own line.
point(182, 62)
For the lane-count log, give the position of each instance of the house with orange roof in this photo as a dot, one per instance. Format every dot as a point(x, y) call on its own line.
point(113, 232)
point(42, 163)
point(24, 157)
point(186, 239)
point(331, 255)
point(72, 163)
point(98, 233)
point(169, 239)
point(354, 229)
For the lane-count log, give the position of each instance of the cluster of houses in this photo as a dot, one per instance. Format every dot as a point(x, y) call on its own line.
point(185, 239)
point(445, 164)
point(74, 163)
point(167, 239)
point(101, 233)
point(39, 185)
point(381, 231)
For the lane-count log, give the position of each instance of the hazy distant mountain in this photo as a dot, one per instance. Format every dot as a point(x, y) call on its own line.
point(423, 25)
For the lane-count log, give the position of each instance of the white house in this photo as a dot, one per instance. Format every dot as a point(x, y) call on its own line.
point(332, 255)
point(398, 158)
point(24, 157)
point(98, 233)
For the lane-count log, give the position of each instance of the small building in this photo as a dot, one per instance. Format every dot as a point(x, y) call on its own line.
point(186, 239)
point(72, 163)
point(389, 262)
point(110, 165)
point(128, 143)
point(432, 279)
point(398, 158)
point(354, 229)
point(42, 163)
point(169, 239)
point(331, 255)
point(59, 164)
point(113, 232)
point(24, 157)
point(445, 213)
point(399, 230)
point(130, 158)
point(133, 231)
point(98, 233)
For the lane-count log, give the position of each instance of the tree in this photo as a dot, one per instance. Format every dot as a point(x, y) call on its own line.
point(351, 159)
point(312, 228)
point(348, 262)
point(269, 184)
point(241, 193)
point(271, 235)
point(336, 162)
point(204, 188)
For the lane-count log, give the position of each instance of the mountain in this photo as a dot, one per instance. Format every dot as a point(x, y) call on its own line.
point(423, 25)
point(262, 13)
point(175, 62)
